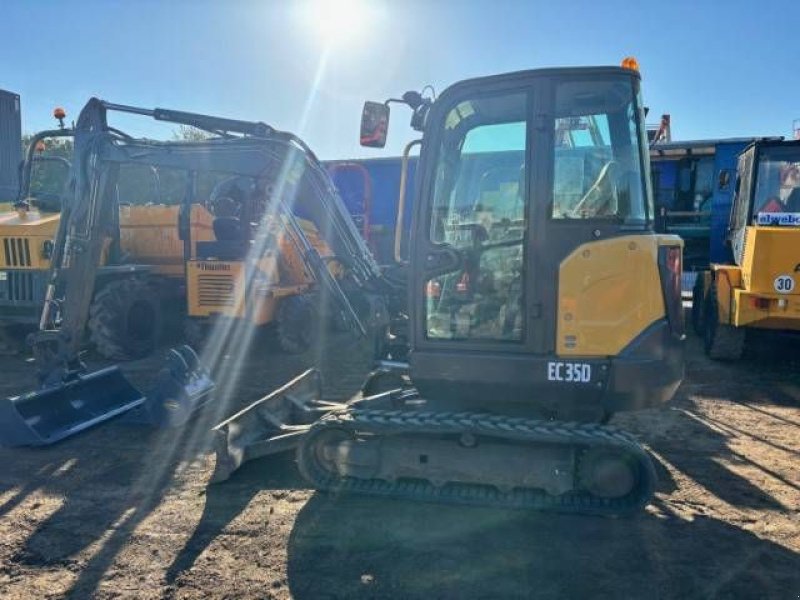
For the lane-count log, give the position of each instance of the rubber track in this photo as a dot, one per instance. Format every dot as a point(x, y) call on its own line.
point(382, 422)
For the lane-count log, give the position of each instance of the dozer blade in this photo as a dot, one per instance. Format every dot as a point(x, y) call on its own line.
point(54, 413)
point(275, 423)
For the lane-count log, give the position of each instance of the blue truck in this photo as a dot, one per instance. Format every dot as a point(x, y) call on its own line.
point(693, 185)
point(370, 190)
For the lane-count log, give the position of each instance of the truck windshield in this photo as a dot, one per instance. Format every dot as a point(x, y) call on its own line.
point(778, 180)
point(49, 175)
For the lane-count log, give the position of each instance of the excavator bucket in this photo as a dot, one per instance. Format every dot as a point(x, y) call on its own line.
point(275, 423)
point(54, 413)
point(51, 414)
point(183, 387)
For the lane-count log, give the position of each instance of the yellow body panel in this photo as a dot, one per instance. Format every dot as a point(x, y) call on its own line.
point(219, 288)
point(747, 295)
point(769, 253)
point(149, 234)
point(728, 278)
point(215, 288)
point(609, 293)
point(766, 311)
point(23, 235)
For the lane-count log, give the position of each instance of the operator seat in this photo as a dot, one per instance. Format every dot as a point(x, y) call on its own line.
point(231, 240)
point(227, 229)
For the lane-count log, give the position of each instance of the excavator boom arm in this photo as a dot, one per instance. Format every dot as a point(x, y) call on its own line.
point(91, 211)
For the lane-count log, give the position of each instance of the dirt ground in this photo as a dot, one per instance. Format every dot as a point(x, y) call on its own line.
point(122, 511)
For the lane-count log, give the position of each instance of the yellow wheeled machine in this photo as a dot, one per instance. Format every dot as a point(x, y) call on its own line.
point(254, 270)
point(26, 241)
point(761, 290)
point(540, 303)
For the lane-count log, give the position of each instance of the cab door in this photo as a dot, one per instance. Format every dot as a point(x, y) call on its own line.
point(472, 269)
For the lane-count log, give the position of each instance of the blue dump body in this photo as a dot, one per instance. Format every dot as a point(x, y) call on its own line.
point(693, 183)
point(384, 181)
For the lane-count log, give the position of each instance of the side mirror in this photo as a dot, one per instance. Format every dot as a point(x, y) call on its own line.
point(374, 124)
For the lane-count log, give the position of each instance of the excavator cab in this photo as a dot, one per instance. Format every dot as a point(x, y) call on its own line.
point(535, 277)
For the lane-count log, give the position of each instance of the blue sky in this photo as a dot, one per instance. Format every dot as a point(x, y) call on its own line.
point(721, 69)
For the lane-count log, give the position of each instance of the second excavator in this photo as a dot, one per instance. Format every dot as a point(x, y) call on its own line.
point(272, 170)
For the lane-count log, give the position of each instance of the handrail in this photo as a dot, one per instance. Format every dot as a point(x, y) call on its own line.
point(401, 201)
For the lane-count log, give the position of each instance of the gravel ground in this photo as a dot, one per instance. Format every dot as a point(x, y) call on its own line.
point(122, 511)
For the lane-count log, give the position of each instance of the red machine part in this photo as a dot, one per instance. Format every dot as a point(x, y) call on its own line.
point(366, 201)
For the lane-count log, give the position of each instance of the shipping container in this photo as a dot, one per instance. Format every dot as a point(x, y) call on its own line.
point(10, 145)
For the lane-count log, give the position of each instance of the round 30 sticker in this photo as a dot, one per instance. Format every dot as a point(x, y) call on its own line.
point(784, 284)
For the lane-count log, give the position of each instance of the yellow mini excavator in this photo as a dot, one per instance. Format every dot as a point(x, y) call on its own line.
point(540, 302)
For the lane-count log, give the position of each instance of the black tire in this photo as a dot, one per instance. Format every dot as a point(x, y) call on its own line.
point(297, 324)
point(698, 309)
point(721, 341)
point(125, 319)
point(336, 320)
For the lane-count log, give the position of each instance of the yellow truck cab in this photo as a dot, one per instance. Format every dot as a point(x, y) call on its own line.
point(761, 289)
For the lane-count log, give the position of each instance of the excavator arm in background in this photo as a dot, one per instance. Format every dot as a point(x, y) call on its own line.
point(248, 149)
point(70, 399)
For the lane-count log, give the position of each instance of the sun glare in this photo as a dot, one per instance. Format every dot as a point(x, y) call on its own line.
point(338, 22)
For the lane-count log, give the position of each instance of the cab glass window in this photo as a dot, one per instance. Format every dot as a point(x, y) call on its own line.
point(480, 210)
point(598, 152)
point(778, 180)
